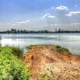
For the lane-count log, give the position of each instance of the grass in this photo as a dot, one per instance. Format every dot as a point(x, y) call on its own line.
point(61, 49)
point(11, 68)
point(30, 47)
point(60, 71)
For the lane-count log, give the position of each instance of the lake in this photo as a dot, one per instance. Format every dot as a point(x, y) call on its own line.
point(67, 40)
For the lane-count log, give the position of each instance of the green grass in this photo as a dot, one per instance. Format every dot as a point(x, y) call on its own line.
point(29, 47)
point(11, 68)
point(61, 49)
point(17, 51)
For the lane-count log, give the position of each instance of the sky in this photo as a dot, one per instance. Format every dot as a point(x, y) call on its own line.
point(39, 14)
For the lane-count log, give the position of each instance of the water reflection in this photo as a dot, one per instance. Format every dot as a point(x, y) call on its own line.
point(70, 41)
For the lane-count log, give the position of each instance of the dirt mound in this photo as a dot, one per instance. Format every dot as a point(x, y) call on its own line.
point(39, 55)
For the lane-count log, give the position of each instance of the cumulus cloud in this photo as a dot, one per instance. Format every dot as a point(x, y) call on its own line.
point(73, 13)
point(62, 8)
point(60, 11)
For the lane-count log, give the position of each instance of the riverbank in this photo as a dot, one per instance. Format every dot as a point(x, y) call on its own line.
point(49, 62)
point(39, 62)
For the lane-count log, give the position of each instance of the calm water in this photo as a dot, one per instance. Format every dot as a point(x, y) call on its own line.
point(70, 41)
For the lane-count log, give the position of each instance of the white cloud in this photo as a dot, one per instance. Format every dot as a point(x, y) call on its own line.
point(73, 13)
point(22, 22)
point(62, 8)
point(48, 15)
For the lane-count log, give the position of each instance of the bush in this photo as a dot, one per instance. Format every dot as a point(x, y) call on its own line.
point(10, 67)
point(17, 52)
point(30, 47)
point(61, 49)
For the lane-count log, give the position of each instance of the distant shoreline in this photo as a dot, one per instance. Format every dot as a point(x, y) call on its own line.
point(37, 32)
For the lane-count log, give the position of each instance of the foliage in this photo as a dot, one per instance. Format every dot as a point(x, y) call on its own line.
point(17, 51)
point(61, 49)
point(30, 47)
point(10, 67)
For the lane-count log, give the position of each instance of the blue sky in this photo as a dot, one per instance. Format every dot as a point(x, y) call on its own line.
point(23, 11)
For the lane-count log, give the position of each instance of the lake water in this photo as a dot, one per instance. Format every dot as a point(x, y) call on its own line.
point(70, 41)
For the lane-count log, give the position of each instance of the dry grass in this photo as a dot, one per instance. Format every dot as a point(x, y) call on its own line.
point(51, 62)
point(60, 71)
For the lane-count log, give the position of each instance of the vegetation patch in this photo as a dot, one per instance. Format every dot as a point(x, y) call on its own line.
point(30, 47)
point(11, 68)
point(61, 49)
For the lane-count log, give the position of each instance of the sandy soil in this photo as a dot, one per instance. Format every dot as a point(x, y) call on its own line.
point(43, 59)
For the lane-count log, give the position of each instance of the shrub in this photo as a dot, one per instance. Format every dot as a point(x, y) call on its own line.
point(10, 67)
point(17, 51)
point(61, 49)
point(30, 47)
